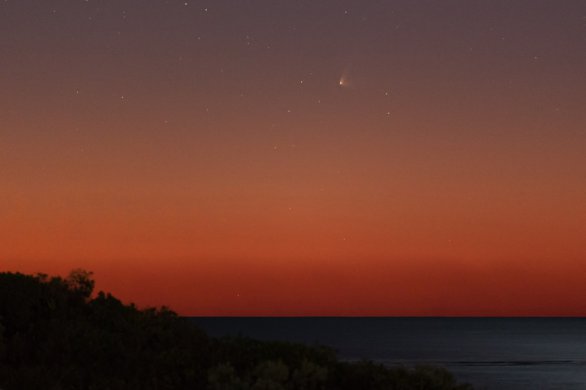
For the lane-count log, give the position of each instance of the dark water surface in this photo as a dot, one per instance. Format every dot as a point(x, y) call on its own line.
point(491, 353)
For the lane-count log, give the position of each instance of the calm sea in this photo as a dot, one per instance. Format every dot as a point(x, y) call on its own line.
point(491, 353)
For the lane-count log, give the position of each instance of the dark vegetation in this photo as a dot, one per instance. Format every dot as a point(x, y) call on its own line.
point(55, 335)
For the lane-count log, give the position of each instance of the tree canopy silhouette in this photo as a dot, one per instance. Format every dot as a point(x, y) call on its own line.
point(56, 335)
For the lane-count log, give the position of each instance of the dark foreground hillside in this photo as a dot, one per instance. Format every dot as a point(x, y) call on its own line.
point(55, 334)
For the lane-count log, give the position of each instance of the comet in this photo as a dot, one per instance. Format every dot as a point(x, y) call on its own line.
point(344, 81)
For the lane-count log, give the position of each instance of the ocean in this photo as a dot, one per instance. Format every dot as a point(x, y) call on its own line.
point(490, 353)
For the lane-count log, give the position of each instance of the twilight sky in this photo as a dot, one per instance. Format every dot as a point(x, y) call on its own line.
point(280, 157)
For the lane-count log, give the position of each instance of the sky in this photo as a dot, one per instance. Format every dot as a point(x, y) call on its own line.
point(392, 158)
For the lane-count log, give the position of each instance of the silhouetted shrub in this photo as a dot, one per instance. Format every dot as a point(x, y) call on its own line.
point(224, 377)
point(309, 376)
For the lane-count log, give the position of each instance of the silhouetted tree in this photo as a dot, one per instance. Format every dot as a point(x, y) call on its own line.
point(80, 281)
